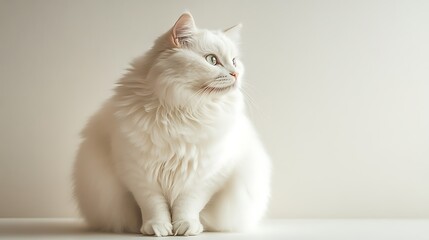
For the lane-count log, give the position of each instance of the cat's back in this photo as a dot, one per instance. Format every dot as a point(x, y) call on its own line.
point(100, 123)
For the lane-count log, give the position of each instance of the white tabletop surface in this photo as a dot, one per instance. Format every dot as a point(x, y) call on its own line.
point(291, 229)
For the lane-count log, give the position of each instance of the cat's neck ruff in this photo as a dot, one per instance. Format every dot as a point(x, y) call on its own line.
point(194, 123)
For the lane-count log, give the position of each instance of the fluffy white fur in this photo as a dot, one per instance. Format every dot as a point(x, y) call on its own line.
point(172, 152)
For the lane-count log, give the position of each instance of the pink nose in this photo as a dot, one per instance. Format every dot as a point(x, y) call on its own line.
point(234, 74)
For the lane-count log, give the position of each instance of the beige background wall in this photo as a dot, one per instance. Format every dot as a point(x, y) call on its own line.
point(340, 94)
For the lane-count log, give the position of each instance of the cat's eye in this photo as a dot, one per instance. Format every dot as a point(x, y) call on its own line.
point(212, 59)
point(234, 62)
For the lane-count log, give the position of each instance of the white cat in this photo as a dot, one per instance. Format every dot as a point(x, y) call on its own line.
point(172, 152)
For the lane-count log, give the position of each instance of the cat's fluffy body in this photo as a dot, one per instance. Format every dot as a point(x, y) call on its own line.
point(172, 151)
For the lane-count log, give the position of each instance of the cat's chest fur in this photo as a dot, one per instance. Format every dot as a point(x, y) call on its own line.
point(176, 149)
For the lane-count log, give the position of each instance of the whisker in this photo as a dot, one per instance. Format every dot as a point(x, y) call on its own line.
point(196, 94)
point(258, 112)
point(250, 103)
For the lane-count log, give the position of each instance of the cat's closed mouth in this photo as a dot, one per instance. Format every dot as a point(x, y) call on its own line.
point(209, 89)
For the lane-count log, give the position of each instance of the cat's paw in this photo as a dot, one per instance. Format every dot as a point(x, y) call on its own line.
point(157, 228)
point(187, 227)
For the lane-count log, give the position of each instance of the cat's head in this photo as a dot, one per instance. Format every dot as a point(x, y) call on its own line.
point(191, 64)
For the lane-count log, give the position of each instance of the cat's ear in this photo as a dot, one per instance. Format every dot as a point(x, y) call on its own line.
point(234, 33)
point(182, 31)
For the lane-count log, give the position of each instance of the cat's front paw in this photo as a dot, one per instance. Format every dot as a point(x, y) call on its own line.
point(157, 228)
point(187, 227)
